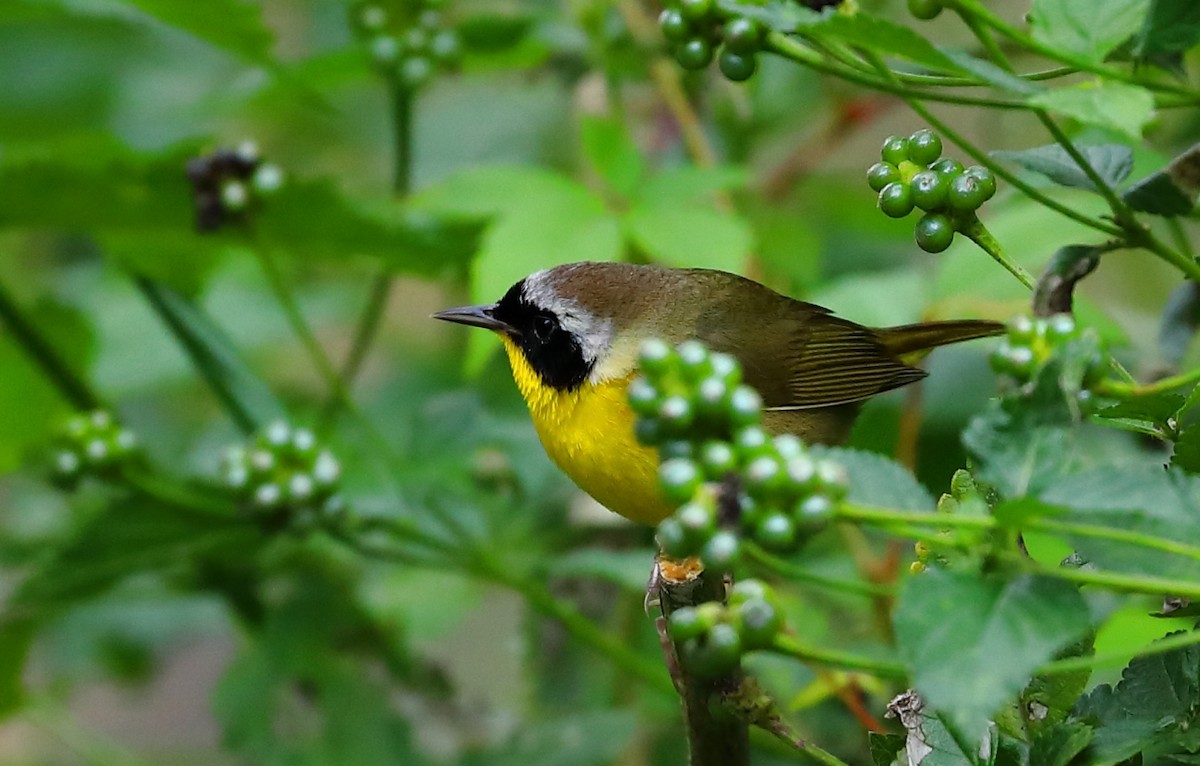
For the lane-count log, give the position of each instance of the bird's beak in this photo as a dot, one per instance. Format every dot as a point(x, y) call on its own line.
point(475, 316)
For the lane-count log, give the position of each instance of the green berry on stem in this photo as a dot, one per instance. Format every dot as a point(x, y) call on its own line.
point(749, 590)
point(758, 622)
point(676, 448)
point(814, 512)
point(947, 167)
point(924, 10)
point(1060, 327)
point(679, 479)
point(1022, 329)
point(751, 441)
point(430, 19)
point(688, 622)
point(934, 232)
point(726, 368)
point(656, 358)
point(672, 538)
point(929, 190)
point(694, 54)
point(764, 476)
point(737, 67)
point(966, 194)
point(719, 652)
point(699, 523)
point(721, 551)
point(712, 399)
point(694, 364)
point(743, 35)
point(801, 472)
point(696, 10)
point(745, 407)
point(985, 178)
point(776, 531)
point(446, 48)
point(788, 446)
point(676, 413)
point(924, 147)
point(832, 479)
point(718, 459)
point(643, 397)
point(372, 18)
point(894, 150)
point(415, 71)
point(385, 49)
point(896, 200)
point(234, 196)
point(674, 26)
point(881, 174)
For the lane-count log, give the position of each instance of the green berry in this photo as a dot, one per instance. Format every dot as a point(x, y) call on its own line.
point(693, 360)
point(385, 49)
point(712, 399)
point(745, 407)
point(776, 531)
point(699, 523)
point(895, 150)
point(924, 147)
point(676, 413)
point(764, 476)
point(985, 178)
point(446, 48)
point(372, 18)
point(737, 67)
point(801, 472)
point(430, 19)
point(696, 10)
point(896, 200)
point(749, 590)
point(832, 479)
point(415, 71)
point(1022, 329)
point(947, 167)
point(656, 358)
point(966, 194)
point(679, 478)
point(716, 654)
point(751, 441)
point(721, 551)
point(234, 196)
point(672, 538)
point(788, 446)
point(415, 41)
point(267, 179)
point(688, 622)
point(718, 459)
point(934, 232)
point(924, 9)
point(743, 35)
point(694, 54)
point(814, 512)
point(881, 174)
point(643, 397)
point(676, 448)
point(929, 190)
point(674, 26)
point(758, 622)
point(726, 368)
point(1059, 327)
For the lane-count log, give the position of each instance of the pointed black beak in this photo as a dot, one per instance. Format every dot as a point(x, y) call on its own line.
point(475, 316)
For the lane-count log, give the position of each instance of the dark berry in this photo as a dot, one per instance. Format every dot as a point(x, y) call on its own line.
point(743, 35)
point(694, 54)
point(674, 26)
point(896, 200)
point(924, 147)
point(737, 66)
point(881, 174)
point(928, 190)
point(934, 232)
point(895, 150)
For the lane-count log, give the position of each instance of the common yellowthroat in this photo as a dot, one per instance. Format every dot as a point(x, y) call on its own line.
point(572, 334)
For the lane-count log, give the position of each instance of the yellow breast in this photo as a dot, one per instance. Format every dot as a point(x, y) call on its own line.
point(588, 433)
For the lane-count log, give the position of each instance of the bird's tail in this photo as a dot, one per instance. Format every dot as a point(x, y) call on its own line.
point(909, 341)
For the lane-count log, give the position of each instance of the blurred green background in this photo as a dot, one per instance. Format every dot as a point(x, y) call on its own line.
point(357, 661)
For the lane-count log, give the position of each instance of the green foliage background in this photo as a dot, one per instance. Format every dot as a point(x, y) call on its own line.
point(481, 613)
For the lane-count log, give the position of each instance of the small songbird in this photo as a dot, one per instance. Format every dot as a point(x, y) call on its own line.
point(572, 334)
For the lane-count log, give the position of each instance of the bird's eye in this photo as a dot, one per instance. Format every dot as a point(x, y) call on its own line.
point(543, 327)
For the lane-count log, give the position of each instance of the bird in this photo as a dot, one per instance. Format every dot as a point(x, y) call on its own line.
point(573, 333)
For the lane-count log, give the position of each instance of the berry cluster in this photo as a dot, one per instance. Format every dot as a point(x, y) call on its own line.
point(93, 443)
point(964, 497)
point(1032, 341)
point(708, 429)
point(284, 470)
point(911, 175)
point(226, 183)
point(411, 43)
point(695, 27)
point(712, 636)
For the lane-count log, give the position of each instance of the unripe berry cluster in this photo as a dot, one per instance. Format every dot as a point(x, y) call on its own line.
point(228, 182)
point(1032, 341)
point(410, 43)
point(696, 27)
point(90, 443)
point(708, 428)
point(912, 175)
point(712, 637)
point(962, 490)
point(284, 470)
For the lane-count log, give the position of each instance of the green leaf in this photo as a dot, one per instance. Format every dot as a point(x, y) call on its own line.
point(1058, 745)
point(881, 36)
point(1143, 499)
point(1112, 162)
point(1145, 414)
point(885, 747)
point(1087, 28)
point(1186, 456)
point(1179, 321)
point(585, 738)
point(611, 152)
point(972, 644)
point(1171, 191)
point(231, 25)
point(246, 397)
point(879, 481)
point(1172, 26)
point(1110, 105)
point(628, 569)
point(678, 234)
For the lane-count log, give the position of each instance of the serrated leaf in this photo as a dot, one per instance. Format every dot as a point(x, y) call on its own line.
point(885, 748)
point(1155, 410)
point(1015, 455)
point(1112, 162)
point(1058, 745)
point(245, 396)
point(1088, 28)
point(1106, 104)
point(611, 152)
point(1171, 26)
point(972, 644)
point(877, 480)
point(1144, 499)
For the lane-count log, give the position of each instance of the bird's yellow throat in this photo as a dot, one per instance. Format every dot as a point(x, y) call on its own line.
point(588, 433)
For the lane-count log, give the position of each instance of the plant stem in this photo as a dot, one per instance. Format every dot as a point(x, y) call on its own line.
point(792, 647)
point(1110, 659)
point(1119, 390)
point(979, 234)
point(25, 332)
point(799, 574)
point(1154, 586)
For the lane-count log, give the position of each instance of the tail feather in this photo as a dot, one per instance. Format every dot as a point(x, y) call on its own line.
point(911, 339)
